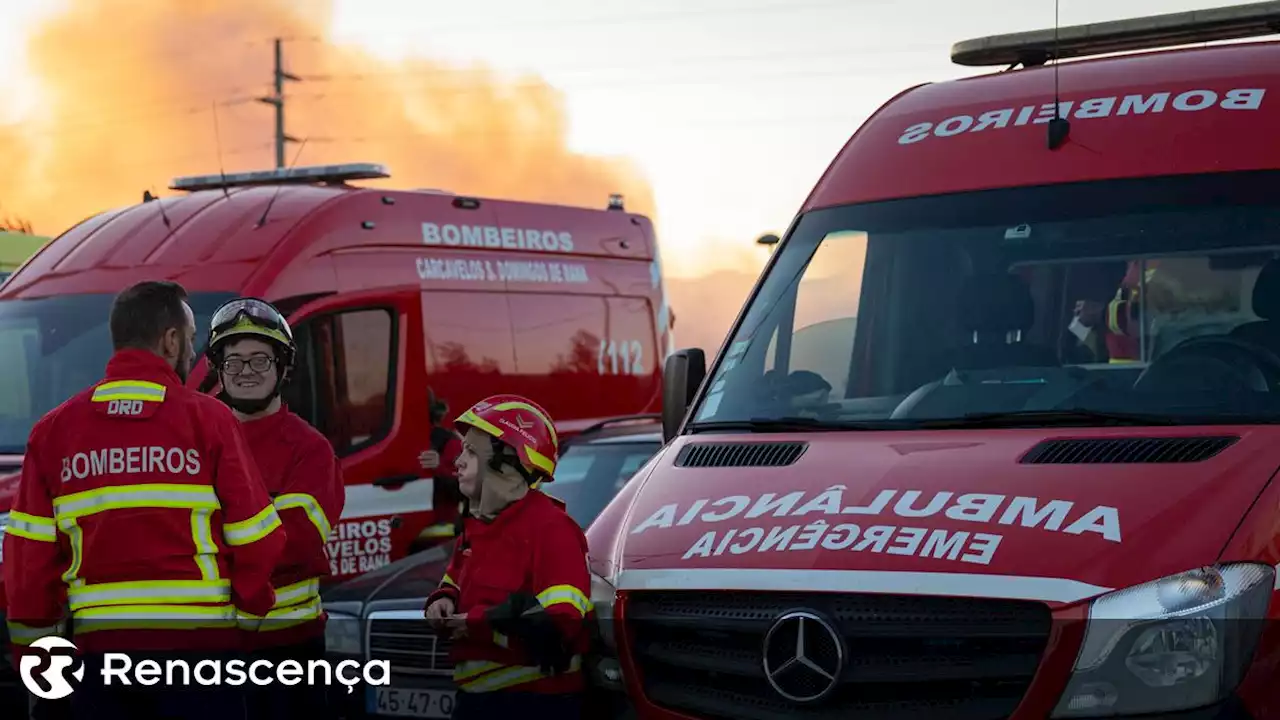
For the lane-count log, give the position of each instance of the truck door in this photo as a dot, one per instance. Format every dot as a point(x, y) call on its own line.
point(354, 383)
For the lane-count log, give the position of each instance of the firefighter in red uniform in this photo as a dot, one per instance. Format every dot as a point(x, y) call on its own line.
point(252, 351)
point(140, 511)
point(442, 461)
point(515, 595)
point(1120, 319)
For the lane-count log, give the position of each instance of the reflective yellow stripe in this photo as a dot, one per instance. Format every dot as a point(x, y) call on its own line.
point(500, 640)
point(565, 594)
point(471, 668)
point(448, 581)
point(129, 497)
point(551, 428)
point(252, 530)
point(75, 537)
point(439, 530)
point(280, 618)
point(21, 634)
point(32, 527)
point(1113, 316)
point(506, 677)
point(154, 592)
point(310, 506)
point(129, 390)
point(186, 617)
point(206, 548)
point(542, 462)
point(297, 593)
point(470, 418)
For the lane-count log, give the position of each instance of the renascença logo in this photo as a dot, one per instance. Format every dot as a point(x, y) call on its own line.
point(45, 671)
point(53, 671)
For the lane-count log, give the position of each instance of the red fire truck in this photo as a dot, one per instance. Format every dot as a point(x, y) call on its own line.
point(915, 482)
point(393, 296)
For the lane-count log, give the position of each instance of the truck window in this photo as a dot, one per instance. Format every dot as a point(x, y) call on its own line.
point(54, 347)
point(1158, 296)
point(343, 381)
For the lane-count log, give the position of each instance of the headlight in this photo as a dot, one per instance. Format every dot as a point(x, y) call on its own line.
point(1176, 643)
point(606, 669)
point(342, 634)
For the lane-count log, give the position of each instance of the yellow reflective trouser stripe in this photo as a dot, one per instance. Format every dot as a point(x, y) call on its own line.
point(252, 530)
point(565, 594)
point(206, 548)
point(32, 527)
point(132, 497)
point(310, 506)
point(166, 617)
point(481, 676)
point(152, 592)
point(129, 390)
point(281, 618)
point(21, 634)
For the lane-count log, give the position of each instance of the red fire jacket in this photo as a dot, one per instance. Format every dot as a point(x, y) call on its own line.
point(140, 509)
point(304, 478)
point(533, 547)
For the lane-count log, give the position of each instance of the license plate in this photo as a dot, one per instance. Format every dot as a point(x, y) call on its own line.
point(412, 702)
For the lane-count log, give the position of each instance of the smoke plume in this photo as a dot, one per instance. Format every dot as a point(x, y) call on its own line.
point(128, 90)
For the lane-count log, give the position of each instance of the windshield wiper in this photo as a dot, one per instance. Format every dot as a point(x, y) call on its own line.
point(788, 424)
point(1049, 418)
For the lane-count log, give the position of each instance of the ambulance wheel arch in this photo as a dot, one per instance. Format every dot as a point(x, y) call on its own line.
point(353, 352)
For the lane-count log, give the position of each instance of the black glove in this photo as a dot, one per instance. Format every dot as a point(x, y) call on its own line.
point(524, 618)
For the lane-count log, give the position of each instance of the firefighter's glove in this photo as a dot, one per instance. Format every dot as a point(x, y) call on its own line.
point(524, 618)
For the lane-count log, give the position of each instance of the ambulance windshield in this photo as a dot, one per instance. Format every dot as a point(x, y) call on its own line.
point(1155, 299)
point(52, 348)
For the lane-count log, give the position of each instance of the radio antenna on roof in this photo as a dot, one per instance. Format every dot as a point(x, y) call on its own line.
point(1059, 127)
point(159, 204)
point(262, 220)
point(217, 140)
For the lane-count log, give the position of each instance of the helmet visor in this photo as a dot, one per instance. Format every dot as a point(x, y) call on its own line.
point(255, 311)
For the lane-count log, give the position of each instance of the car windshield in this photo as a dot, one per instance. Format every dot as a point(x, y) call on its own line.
point(1154, 300)
point(52, 348)
point(589, 474)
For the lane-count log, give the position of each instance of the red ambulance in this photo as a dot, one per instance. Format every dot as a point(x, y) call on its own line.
point(393, 295)
point(914, 484)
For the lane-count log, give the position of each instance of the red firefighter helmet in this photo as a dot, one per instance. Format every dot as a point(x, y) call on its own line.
point(522, 425)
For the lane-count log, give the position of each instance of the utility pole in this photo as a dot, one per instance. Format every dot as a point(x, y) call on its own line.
point(277, 100)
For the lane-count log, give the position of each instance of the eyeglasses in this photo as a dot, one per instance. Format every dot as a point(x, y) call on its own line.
point(257, 363)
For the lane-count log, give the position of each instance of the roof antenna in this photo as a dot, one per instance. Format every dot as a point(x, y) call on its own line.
point(159, 204)
point(262, 220)
point(1059, 127)
point(217, 139)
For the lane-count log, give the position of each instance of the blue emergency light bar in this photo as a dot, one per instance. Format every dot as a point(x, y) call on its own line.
point(1143, 33)
point(308, 174)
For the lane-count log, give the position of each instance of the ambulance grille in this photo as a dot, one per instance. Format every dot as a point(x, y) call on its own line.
point(1083, 451)
point(739, 454)
point(410, 647)
point(906, 657)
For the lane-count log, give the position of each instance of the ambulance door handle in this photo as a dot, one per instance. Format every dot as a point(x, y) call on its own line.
point(395, 480)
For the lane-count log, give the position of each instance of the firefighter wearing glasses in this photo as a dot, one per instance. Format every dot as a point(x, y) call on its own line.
point(251, 348)
point(515, 595)
point(140, 509)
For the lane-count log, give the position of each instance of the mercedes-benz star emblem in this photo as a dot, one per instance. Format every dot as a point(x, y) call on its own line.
point(803, 656)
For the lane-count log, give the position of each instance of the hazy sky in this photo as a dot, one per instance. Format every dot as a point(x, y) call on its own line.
point(733, 108)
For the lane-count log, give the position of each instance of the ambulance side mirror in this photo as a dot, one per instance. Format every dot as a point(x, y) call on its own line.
point(681, 375)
